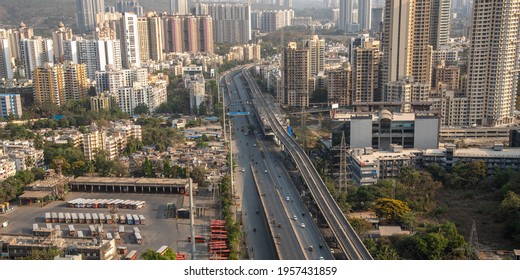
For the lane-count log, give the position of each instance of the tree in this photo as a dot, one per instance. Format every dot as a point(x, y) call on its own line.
point(392, 210)
point(167, 169)
point(141, 109)
point(151, 254)
point(38, 141)
point(42, 254)
point(148, 170)
point(198, 174)
point(79, 168)
point(202, 111)
point(360, 225)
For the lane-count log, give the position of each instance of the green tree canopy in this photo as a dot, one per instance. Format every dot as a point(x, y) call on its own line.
point(151, 254)
point(392, 210)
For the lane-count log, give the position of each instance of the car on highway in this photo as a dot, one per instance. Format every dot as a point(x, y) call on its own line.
point(321, 259)
point(265, 171)
point(295, 218)
point(243, 170)
point(288, 198)
point(254, 145)
point(311, 248)
point(302, 225)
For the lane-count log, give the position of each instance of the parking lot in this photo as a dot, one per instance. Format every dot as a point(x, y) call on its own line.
point(157, 231)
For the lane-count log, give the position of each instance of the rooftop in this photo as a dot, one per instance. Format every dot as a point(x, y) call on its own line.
point(128, 181)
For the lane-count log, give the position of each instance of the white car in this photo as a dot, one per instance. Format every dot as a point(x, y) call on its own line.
point(265, 171)
point(243, 170)
point(302, 225)
point(295, 218)
point(288, 198)
point(254, 145)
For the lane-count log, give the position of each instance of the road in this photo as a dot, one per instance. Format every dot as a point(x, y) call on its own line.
point(347, 239)
point(263, 156)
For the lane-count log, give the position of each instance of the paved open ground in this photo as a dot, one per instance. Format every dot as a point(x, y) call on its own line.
point(157, 231)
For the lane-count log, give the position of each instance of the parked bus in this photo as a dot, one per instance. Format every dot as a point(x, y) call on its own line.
point(109, 235)
point(162, 250)
point(57, 228)
point(118, 238)
point(68, 218)
point(122, 219)
point(136, 229)
point(48, 218)
point(93, 231)
point(74, 218)
point(132, 255)
point(80, 234)
point(108, 219)
point(129, 220)
point(121, 230)
point(72, 231)
point(102, 218)
point(138, 237)
point(95, 218)
point(115, 218)
point(54, 216)
point(61, 218)
point(136, 219)
point(142, 219)
point(81, 218)
point(122, 250)
point(36, 227)
point(88, 218)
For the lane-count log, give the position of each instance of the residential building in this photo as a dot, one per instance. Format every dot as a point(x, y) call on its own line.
point(365, 72)
point(364, 14)
point(440, 23)
point(295, 77)
point(377, 19)
point(150, 95)
point(316, 48)
point(179, 7)
point(11, 105)
point(188, 33)
point(339, 88)
point(197, 87)
point(493, 61)
point(231, 21)
point(346, 9)
point(112, 79)
point(32, 55)
point(448, 77)
point(49, 84)
point(59, 36)
point(86, 11)
point(7, 168)
point(15, 36)
point(130, 41)
point(132, 6)
point(101, 102)
point(6, 67)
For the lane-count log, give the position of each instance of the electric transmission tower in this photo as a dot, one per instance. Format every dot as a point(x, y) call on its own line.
point(343, 182)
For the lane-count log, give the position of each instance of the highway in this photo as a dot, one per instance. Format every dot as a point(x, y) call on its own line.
point(258, 159)
point(347, 239)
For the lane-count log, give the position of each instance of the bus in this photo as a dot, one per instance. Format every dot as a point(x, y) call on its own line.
point(102, 218)
point(122, 219)
point(74, 217)
point(142, 219)
point(136, 219)
point(129, 219)
point(80, 234)
point(88, 218)
point(132, 255)
point(93, 231)
point(68, 218)
point(48, 217)
point(162, 250)
point(54, 217)
point(72, 231)
point(95, 218)
point(81, 218)
point(61, 218)
point(121, 230)
point(138, 237)
point(198, 239)
point(136, 229)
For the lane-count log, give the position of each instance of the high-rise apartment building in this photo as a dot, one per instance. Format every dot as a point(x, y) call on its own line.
point(75, 80)
point(346, 8)
point(33, 55)
point(231, 21)
point(11, 105)
point(59, 36)
point(6, 67)
point(421, 49)
point(179, 7)
point(15, 36)
point(365, 72)
point(98, 54)
point(493, 62)
point(49, 84)
point(316, 48)
point(295, 77)
point(188, 34)
point(339, 88)
point(439, 23)
point(86, 11)
point(151, 38)
point(364, 14)
point(57, 83)
point(150, 95)
point(377, 19)
point(132, 6)
point(130, 41)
